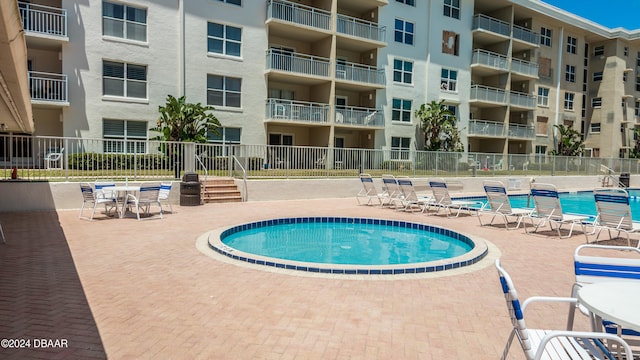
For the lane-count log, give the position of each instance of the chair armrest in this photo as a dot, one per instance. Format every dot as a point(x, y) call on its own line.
point(584, 335)
point(548, 299)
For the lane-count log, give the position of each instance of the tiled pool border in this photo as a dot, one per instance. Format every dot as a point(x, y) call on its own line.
point(478, 252)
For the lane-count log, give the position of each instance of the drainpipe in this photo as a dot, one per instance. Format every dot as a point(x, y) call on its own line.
point(558, 80)
point(181, 57)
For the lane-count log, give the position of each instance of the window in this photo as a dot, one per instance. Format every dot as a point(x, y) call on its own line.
point(401, 110)
point(545, 36)
point(542, 126)
point(638, 83)
point(568, 100)
point(224, 39)
point(124, 21)
point(402, 71)
point(598, 50)
point(597, 76)
point(452, 8)
point(408, 2)
point(541, 149)
point(453, 109)
point(624, 77)
point(572, 45)
point(227, 135)
point(543, 96)
point(595, 127)
point(404, 32)
point(400, 147)
point(596, 102)
point(626, 51)
point(450, 42)
point(121, 79)
point(448, 80)
point(232, 2)
point(134, 132)
point(637, 109)
point(570, 73)
point(224, 91)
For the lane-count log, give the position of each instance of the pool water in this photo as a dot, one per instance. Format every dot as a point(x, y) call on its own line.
point(348, 243)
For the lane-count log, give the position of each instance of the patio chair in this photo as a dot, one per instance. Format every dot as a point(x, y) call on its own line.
point(102, 189)
point(93, 199)
point(498, 204)
point(148, 195)
point(552, 344)
point(410, 199)
point(442, 199)
point(548, 210)
point(164, 194)
point(614, 214)
point(391, 190)
point(596, 263)
point(368, 191)
point(53, 159)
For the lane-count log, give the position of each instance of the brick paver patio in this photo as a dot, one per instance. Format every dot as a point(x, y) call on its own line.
point(123, 289)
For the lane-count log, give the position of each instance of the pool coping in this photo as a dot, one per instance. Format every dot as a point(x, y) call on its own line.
point(477, 253)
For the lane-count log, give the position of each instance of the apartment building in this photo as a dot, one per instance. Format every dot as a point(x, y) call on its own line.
point(334, 73)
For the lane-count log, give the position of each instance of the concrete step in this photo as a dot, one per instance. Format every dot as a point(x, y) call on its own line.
point(220, 190)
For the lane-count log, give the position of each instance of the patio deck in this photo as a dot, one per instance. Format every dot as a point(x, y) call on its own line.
point(123, 289)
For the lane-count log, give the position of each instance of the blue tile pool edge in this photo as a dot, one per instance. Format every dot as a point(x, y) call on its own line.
point(478, 251)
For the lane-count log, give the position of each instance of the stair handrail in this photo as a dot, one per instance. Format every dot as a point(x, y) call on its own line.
point(206, 173)
point(614, 181)
point(245, 192)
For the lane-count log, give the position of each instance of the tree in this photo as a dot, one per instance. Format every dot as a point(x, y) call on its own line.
point(183, 121)
point(440, 129)
point(570, 142)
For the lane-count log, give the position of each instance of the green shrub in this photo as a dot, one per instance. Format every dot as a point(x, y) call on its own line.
point(396, 165)
point(100, 161)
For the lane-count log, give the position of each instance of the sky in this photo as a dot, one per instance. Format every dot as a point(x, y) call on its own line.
point(609, 13)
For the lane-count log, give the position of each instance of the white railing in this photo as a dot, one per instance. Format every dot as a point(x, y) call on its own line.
point(360, 28)
point(299, 14)
point(360, 73)
point(297, 63)
point(522, 100)
point(484, 22)
point(490, 58)
point(486, 128)
point(488, 94)
point(359, 116)
point(290, 110)
point(526, 35)
point(524, 67)
point(522, 131)
point(48, 87)
point(43, 19)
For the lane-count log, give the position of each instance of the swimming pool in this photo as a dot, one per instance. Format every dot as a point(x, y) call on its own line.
point(340, 245)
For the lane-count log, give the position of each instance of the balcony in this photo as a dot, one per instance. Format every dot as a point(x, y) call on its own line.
point(488, 95)
point(297, 63)
point(486, 128)
point(526, 35)
point(491, 25)
point(524, 68)
point(360, 28)
point(358, 116)
point(281, 110)
point(44, 20)
point(522, 100)
point(49, 89)
point(490, 61)
point(519, 131)
point(299, 14)
point(360, 73)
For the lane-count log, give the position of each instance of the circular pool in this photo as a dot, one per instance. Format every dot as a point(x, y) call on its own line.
point(341, 245)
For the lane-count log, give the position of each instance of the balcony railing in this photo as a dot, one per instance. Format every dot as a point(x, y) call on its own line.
point(290, 110)
point(488, 94)
point(43, 19)
point(48, 87)
point(526, 35)
point(484, 22)
point(491, 59)
point(360, 73)
point(522, 100)
point(299, 14)
point(486, 128)
point(297, 63)
point(357, 27)
point(524, 67)
point(359, 116)
point(522, 131)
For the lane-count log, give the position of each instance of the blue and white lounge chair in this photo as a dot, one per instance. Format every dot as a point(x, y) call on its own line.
point(553, 344)
point(442, 199)
point(614, 214)
point(391, 192)
point(368, 191)
point(410, 199)
point(498, 204)
point(548, 210)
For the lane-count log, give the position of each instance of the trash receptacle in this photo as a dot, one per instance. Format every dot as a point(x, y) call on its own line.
point(625, 179)
point(190, 190)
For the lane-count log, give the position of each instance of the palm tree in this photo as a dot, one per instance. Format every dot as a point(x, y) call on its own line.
point(439, 126)
point(570, 142)
point(183, 121)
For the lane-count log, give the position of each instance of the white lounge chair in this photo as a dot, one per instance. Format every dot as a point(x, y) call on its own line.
point(93, 199)
point(53, 159)
point(552, 344)
point(368, 191)
point(442, 199)
point(548, 210)
point(391, 191)
point(498, 204)
point(410, 199)
point(614, 214)
point(147, 196)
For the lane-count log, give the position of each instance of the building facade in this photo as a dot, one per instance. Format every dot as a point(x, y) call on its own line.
point(335, 73)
